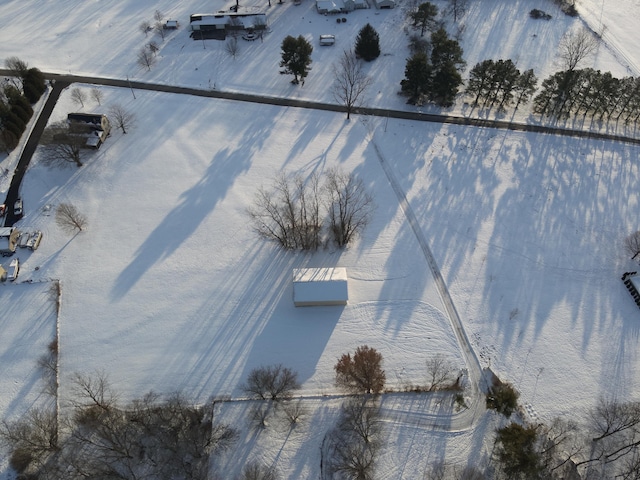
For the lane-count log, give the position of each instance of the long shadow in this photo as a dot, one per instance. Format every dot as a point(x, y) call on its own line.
point(196, 203)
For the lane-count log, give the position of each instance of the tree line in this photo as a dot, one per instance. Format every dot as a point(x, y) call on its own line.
point(23, 89)
point(589, 92)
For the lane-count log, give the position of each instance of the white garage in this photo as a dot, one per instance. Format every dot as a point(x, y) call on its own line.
point(319, 286)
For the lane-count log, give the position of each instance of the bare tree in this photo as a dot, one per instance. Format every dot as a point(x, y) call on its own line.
point(350, 206)
point(350, 81)
point(360, 418)
point(273, 382)
point(289, 213)
point(354, 444)
point(632, 245)
point(231, 47)
point(62, 146)
point(32, 439)
point(293, 411)
point(439, 372)
point(158, 16)
point(121, 117)
point(560, 443)
point(69, 218)
point(457, 8)
point(145, 27)
point(78, 96)
point(146, 58)
point(258, 471)
point(158, 27)
point(97, 95)
point(153, 47)
point(576, 47)
point(361, 373)
point(18, 69)
point(48, 365)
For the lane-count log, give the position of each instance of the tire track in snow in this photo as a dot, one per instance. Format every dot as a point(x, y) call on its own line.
point(466, 417)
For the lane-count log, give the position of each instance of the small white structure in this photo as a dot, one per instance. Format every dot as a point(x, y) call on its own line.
point(327, 39)
point(319, 286)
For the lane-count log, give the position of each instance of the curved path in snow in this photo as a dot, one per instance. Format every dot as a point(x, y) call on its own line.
point(466, 417)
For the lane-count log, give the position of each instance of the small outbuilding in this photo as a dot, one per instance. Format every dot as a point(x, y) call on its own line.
point(384, 4)
point(319, 286)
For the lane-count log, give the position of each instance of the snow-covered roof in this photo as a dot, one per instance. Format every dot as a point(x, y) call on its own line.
point(330, 5)
point(320, 286)
point(6, 231)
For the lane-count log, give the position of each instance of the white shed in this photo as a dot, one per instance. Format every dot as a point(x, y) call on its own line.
point(319, 286)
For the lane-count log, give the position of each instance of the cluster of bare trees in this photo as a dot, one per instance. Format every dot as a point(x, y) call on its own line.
point(293, 211)
point(274, 382)
point(151, 437)
point(350, 450)
point(147, 54)
point(79, 96)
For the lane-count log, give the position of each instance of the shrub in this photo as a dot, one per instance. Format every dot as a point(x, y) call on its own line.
point(503, 398)
point(539, 14)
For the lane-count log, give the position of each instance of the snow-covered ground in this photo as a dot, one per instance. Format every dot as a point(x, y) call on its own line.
point(169, 289)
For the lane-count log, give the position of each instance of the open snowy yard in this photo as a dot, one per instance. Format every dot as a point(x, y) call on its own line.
point(169, 289)
point(28, 328)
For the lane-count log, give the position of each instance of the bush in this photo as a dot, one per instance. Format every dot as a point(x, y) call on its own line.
point(503, 398)
point(539, 14)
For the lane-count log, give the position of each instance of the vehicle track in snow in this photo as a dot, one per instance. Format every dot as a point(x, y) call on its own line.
point(466, 417)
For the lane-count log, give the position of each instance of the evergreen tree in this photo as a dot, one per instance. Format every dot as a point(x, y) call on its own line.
point(444, 86)
point(480, 80)
point(445, 50)
point(367, 43)
point(417, 81)
point(525, 87)
point(425, 17)
point(517, 453)
point(446, 59)
point(33, 84)
point(296, 58)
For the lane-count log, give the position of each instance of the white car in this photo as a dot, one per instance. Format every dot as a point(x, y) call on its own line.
point(14, 269)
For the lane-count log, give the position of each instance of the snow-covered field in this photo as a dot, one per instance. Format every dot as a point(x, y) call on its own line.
point(169, 289)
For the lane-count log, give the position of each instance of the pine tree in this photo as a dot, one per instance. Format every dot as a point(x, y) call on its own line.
point(446, 58)
point(367, 43)
point(417, 81)
point(296, 58)
point(425, 17)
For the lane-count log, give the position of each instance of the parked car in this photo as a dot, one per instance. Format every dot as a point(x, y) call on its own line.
point(14, 269)
point(23, 239)
point(17, 208)
point(34, 240)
